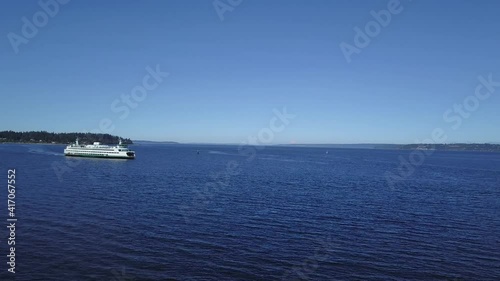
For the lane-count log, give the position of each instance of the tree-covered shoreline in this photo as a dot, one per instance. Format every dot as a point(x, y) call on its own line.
point(58, 138)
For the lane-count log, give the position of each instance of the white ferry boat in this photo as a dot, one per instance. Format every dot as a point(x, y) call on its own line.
point(99, 150)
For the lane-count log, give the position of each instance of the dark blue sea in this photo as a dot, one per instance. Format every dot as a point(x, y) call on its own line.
point(285, 213)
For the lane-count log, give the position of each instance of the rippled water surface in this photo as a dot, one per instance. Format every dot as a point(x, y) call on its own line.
point(285, 214)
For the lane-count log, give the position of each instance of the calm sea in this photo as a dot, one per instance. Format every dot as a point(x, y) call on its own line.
point(286, 214)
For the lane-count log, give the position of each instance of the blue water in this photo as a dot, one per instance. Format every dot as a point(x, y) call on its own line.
point(287, 214)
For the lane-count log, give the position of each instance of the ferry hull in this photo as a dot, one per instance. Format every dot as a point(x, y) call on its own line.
point(101, 156)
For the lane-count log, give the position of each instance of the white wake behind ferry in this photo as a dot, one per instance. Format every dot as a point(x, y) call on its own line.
point(99, 150)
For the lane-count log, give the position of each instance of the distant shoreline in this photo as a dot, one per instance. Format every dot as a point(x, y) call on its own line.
point(44, 143)
point(474, 147)
point(451, 150)
point(486, 147)
point(44, 137)
point(480, 147)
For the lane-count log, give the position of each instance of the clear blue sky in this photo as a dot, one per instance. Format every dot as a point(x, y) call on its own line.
point(226, 77)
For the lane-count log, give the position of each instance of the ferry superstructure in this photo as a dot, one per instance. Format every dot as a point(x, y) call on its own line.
point(99, 150)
